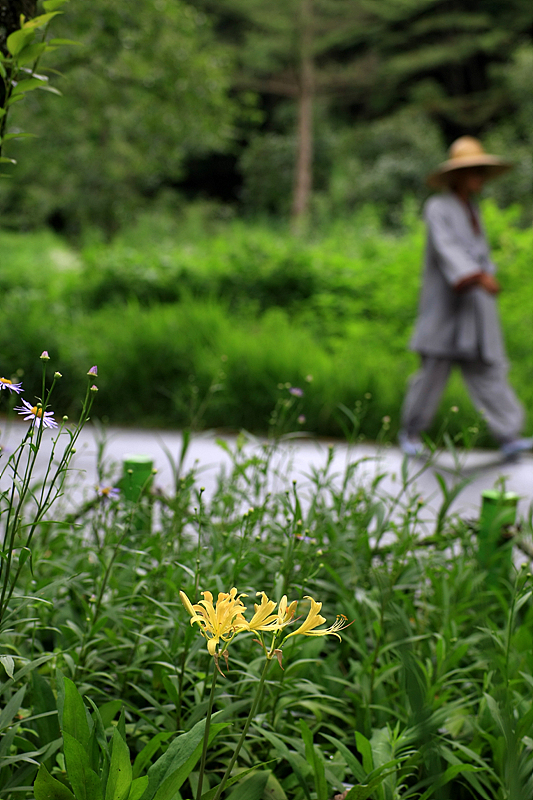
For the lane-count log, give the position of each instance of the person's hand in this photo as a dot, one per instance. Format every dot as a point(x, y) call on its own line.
point(489, 283)
point(483, 279)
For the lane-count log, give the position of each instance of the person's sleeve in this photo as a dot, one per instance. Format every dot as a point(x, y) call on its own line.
point(457, 266)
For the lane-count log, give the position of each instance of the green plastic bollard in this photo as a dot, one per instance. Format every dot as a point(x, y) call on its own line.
point(498, 513)
point(136, 482)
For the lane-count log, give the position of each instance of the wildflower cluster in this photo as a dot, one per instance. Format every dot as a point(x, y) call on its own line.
point(220, 622)
point(36, 414)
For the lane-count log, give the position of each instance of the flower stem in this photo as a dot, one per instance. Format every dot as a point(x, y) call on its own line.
point(206, 735)
point(242, 737)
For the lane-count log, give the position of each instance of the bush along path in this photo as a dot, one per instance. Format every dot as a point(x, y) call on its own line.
point(209, 318)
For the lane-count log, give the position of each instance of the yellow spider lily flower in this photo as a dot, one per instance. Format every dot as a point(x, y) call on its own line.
point(265, 620)
point(220, 621)
point(314, 619)
point(286, 612)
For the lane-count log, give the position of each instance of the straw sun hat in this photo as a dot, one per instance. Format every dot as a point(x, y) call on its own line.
point(466, 152)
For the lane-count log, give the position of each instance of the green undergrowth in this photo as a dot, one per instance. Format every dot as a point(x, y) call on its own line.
point(196, 320)
point(426, 695)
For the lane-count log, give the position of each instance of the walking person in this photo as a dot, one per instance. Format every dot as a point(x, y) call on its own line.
point(458, 322)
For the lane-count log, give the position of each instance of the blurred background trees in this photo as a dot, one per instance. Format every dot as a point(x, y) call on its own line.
point(188, 134)
point(302, 107)
point(147, 87)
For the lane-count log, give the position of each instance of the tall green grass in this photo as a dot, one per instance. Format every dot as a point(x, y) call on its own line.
point(427, 695)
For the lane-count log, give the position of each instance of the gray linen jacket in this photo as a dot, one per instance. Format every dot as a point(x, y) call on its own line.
point(458, 326)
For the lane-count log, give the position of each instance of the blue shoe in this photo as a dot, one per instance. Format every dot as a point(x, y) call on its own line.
point(512, 449)
point(410, 445)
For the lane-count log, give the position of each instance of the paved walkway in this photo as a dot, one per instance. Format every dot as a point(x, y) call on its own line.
point(297, 459)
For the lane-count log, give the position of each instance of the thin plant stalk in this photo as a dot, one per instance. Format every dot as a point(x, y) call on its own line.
point(49, 491)
point(206, 734)
point(242, 737)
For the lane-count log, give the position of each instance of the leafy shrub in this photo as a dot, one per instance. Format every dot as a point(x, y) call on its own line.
point(204, 328)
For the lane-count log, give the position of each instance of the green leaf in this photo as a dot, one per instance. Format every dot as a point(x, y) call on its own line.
point(5, 160)
point(297, 763)
point(252, 788)
point(173, 783)
point(48, 788)
point(31, 53)
point(313, 758)
point(364, 747)
point(14, 99)
point(38, 22)
point(74, 718)
point(522, 600)
point(138, 787)
point(364, 790)
point(12, 708)
point(32, 665)
point(44, 701)
point(52, 89)
point(27, 86)
point(97, 738)
point(120, 771)
point(18, 40)
point(145, 756)
point(6, 742)
point(210, 794)
point(121, 725)
point(351, 761)
point(108, 711)
point(8, 662)
point(176, 764)
point(84, 780)
point(9, 136)
point(274, 789)
point(447, 776)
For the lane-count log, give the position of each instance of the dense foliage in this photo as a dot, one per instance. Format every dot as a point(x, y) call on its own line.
point(427, 695)
point(144, 87)
point(195, 319)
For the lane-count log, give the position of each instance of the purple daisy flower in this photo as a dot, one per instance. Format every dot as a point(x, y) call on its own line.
point(296, 391)
point(5, 383)
point(108, 492)
point(36, 415)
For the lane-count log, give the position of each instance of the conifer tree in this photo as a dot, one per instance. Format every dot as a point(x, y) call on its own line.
point(368, 58)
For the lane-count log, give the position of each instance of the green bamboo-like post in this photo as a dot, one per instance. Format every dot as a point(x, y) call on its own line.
point(498, 514)
point(137, 477)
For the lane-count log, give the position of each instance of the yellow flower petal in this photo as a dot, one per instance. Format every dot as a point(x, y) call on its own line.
point(263, 619)
point(286, 612)
point(220, 621)
point(314, 619)
point(187, 603)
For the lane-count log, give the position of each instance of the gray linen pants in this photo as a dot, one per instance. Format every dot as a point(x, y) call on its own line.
point(487, 386)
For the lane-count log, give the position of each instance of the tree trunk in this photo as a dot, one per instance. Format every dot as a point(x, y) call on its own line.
point(303, 177)
point(10, 12)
